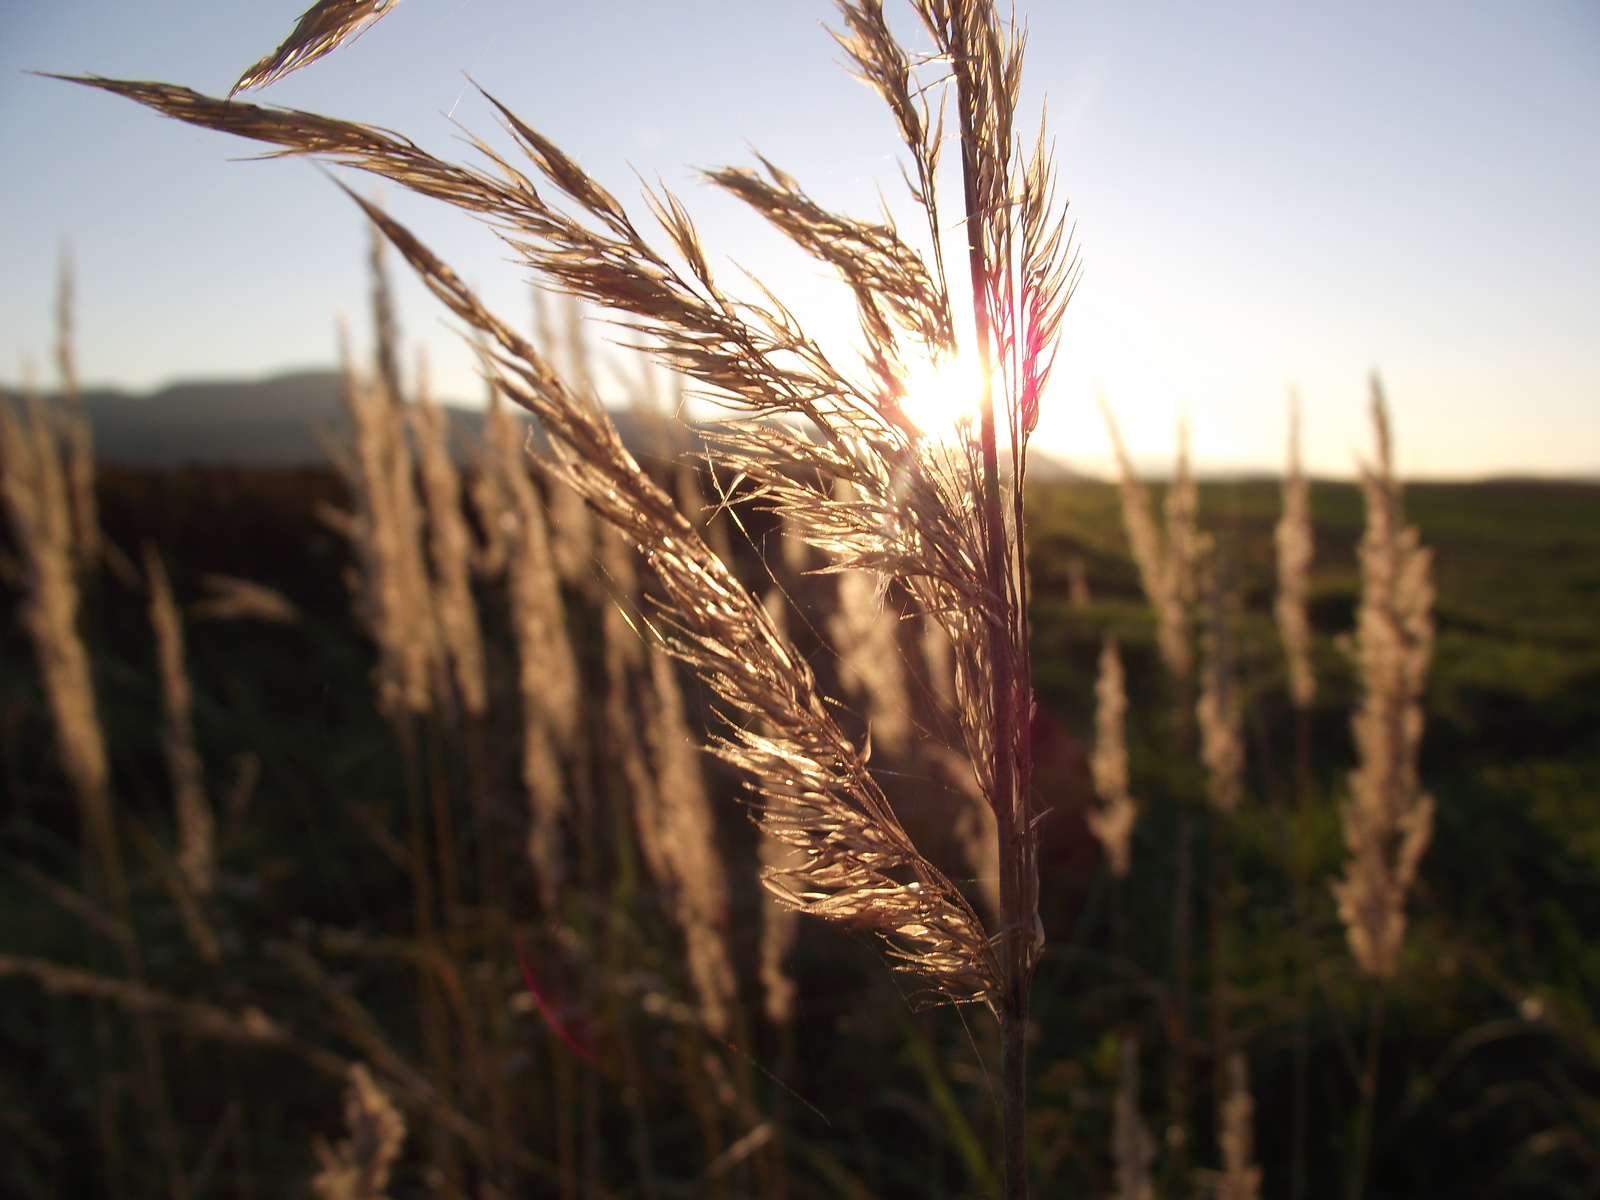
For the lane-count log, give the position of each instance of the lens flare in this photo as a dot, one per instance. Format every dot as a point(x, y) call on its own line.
point(942, 396)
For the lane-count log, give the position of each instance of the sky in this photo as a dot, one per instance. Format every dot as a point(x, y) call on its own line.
point(1266, 196)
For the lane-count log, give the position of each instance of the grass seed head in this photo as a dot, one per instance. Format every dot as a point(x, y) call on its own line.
point(1388, 818)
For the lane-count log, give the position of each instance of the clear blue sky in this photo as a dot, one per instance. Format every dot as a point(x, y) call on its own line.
point(1266, 194)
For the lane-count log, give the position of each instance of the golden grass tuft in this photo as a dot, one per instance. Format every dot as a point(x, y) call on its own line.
point(34, 486)
point(1388, 818)
point(1112, 822)
point(1293, 540)
point(450, 550)
point(358, 1167)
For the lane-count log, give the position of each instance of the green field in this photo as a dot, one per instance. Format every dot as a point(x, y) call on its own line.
point(1490, 1084)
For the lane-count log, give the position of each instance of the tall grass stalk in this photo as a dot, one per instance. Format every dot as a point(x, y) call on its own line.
point(76, 429)
point(1295, 547)
point(1168, 560)
point(449, 550)
point(34, 485)
point(194, 878)
point(943, 517)
point(1132, 1147)
point(1388, 818)
point(34, 488)
point(1113, 821)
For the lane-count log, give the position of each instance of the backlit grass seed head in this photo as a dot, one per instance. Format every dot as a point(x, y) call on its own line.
point(449, 550)
point(195, 824)
point(358, 1167)
point(34, 488)
point(1241, 1177)
point(687, 838)
point(1219, 711)
point(1186, 545)
point(1113, 820)
point(393, 592)
point(1293, 540)
point(1166, 563)
point(944, 520)
point(548, 672)
point(1388, 818)
point(322, 28)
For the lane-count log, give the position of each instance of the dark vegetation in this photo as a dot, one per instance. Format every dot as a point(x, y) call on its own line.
point(1491, 1082)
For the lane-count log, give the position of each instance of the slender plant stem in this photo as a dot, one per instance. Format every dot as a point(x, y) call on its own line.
point(1369, 1093)
point(1180, 1065)
point(1299, 1118)
point(1220, 919)
point(435, 1034)
point(1009, 800)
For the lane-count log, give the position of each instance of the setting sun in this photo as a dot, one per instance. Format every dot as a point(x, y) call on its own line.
point(942, 394)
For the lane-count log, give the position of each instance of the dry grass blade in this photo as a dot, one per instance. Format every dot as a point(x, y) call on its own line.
point(1388, 819)
point(322, 28)
point(251, 1026)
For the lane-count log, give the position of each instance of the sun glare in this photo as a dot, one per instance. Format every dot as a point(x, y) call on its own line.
point(942, 396)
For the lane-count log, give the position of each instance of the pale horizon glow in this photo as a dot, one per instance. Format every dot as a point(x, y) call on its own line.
point(1265, 197)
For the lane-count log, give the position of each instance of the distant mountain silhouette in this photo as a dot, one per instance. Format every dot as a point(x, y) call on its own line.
point(276, 422)
point(272, 422)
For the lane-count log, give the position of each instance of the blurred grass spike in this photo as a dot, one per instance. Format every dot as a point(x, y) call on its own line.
point(358, 1167)
point(1388, 818)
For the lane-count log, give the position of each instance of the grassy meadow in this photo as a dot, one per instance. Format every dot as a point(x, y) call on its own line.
point(609, 1084)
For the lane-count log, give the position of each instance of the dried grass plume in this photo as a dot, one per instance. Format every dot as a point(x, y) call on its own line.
point(1113, 820)
point(1388, 818)
point(1292, 538)
point(357, 1168)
